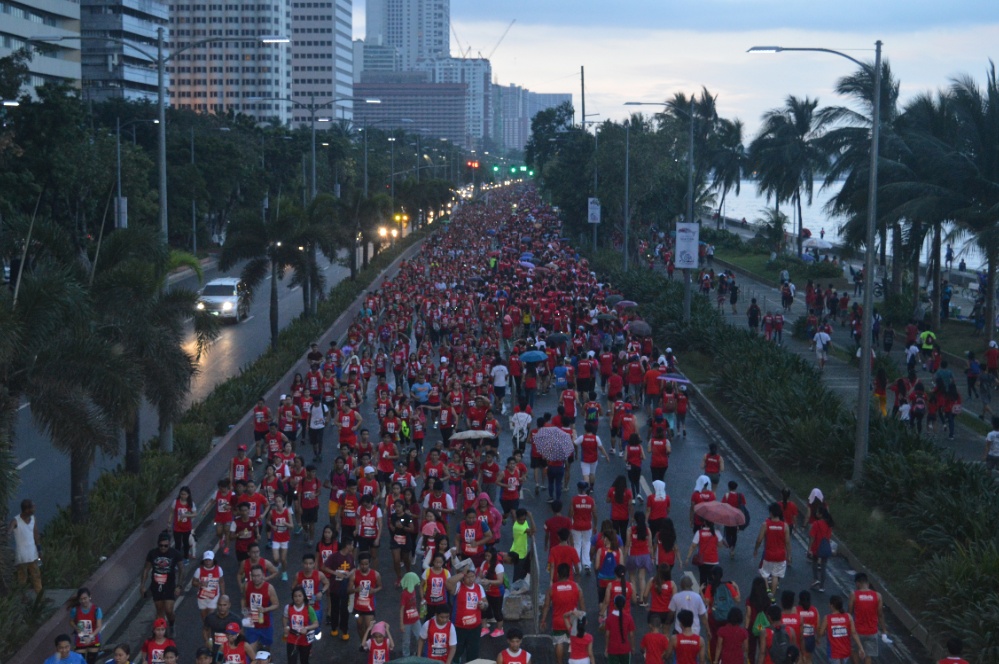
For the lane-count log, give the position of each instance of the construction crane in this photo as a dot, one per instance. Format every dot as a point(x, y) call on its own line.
point(502, 37)
point(462, 53)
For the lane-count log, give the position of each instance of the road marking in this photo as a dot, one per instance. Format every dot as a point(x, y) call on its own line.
point(249, 318)
point(24, 405)
point(24, 464)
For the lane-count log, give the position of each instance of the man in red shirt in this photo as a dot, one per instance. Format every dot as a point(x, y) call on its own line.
point(564, 596)
point(775, 537)
point(868, 616)
point(563, 553)
point(554, 524)
point(583, 514)
point(261, 418)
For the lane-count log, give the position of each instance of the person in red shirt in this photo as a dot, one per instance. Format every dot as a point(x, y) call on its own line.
point(766, 639)
point(348, 421)
point(775, 537)
point(733, 640)
point(510, 483)
point(655, 644)
point(868, 616)
point(261, 419)
point(682, 404)
point(225, 503)
point(620, 629)
point(620, 498)
point(954, 648)
point(241, 468)
point(838, 628)
point(564, 597)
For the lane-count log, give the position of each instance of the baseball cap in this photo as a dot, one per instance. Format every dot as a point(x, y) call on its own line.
point(263, 655)
point(283, 397)
point(241, 448)
point(208, 555)
point(232, 628)
point(159, 622)
point(369, 469)
point(669, 350)
point(659, 411)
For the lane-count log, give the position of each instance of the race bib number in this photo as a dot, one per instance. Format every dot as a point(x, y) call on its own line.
point(839, 631)
point(471, 601)
point(84, 628)
point(297, 623)
point(160, 579)
point(436, 588)
point(219, 638)
point(439, 646)
point(399, 539)
point(365, 589)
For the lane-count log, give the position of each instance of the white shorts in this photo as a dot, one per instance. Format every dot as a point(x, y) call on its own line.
point(821, 354)
point(279, 545)
point(771, 569)
point(588, 468)
point(208, 604)
point(585, 660)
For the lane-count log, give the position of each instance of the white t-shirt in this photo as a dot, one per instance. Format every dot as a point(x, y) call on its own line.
point(821, 340)
point(317, 416)
point(500, 374)
point(993, 441)
point(693, 602)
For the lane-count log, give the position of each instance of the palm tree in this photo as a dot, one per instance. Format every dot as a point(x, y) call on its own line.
point(977, 164)
point(728, 159)
point(139, 313)
point(315, 228)
point(267, 250)
point(848, 142)
point(787, 154)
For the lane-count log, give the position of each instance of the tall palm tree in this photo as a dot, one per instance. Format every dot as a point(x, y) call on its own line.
point(316, 228)
point(265, 246)
point(139, 313)
point(848, 142)
point(787, 154)
point(728, 159)
point(977, 164)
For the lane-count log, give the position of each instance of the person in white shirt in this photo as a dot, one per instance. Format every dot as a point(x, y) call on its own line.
point(820, 343)
point(692, 601)
point(26, 544)
point(500, 376)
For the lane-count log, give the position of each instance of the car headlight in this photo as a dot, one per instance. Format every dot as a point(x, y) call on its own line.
point(201, 306)
point(227, 306)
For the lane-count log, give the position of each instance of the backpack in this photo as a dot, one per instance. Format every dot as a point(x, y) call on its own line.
point(607, 566)
point(722, 602)
point(780, 645)
point(919, 403)
point(592, 414)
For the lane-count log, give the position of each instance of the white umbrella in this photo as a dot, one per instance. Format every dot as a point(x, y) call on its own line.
point(472, 434)
point(817, 243)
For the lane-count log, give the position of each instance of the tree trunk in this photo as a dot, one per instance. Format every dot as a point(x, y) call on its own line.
point(990, 286)
point(883, 251)
point(721, 205)
point(916, 232)
point(353, 262)
point(365, 248)
point(133, 446)
point(166, 434)
point(306, 288)
point(896, 263)
point(801, 225)
point(935, 278)
point(314, 290)
point(80, 460)
point(274, 305)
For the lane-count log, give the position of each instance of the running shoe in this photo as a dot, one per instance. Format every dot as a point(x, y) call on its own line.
point(497, 633)
point(334, 632)
point(345, 637)
point(485, 631)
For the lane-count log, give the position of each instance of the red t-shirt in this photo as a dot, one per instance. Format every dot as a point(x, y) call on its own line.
point(619, 511)
point(655, 645)
point(619, 627)
point(582, 512)
point(733, 636)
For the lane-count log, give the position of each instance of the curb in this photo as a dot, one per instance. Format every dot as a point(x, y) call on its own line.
point(895, 605)
point(115, 579)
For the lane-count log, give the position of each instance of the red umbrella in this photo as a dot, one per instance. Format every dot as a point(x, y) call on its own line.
point(721, 514)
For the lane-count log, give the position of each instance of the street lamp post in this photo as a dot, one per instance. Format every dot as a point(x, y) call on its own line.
point(863, 400)
point(627, 187)
point(391, 141)
point(120, 220)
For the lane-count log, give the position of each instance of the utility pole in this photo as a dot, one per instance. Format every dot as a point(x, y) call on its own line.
point(194, 207)
point(582, 98)
point(690, 209)
point(627, 186)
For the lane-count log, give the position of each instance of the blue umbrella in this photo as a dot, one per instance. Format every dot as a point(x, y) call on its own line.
point(490, 232)
point(526, 256)
point(526, 239)
point(527, 264)
point(533, 356)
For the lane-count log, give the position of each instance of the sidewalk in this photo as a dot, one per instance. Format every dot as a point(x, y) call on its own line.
point(841, 377)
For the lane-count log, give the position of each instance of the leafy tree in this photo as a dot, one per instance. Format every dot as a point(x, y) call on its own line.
point(728, 160)
point(787, 155)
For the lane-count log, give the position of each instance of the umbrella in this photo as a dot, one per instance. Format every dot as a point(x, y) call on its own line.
point(640, 328)
point(552, 266)
point(491, 232)
point(526, 239)
point(473, 434)
point(526, 256)
point(721, 514)
point(606, 317)
point(613, 299)
point(527, 264)
point(675, 378)
point(805, 232)
point(557, 338)
point(817, 243)
point(626, 304)
point(532, 356)
point(553, 444)
point(541, 269)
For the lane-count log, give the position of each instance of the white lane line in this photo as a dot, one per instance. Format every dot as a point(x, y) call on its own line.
point(24, 405)
point(24, 464)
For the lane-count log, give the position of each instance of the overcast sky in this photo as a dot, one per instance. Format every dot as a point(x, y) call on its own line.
point(645, 50)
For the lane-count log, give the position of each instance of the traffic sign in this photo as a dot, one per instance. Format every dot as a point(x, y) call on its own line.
point(593, 214)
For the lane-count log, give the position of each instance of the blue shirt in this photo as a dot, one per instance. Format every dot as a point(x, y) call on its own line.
point(421, 391)
point(73, 658)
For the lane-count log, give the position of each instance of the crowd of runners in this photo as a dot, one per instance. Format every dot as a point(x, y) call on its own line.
point(425, 495)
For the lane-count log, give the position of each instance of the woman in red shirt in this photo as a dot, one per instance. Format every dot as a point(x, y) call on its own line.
point(659, 592)
point(634, 455)
point(667, 551)
point(182, 521)
point(702, 494)
point(620, 499)
point(639, 555)
point(657, 506)
point(713, 465)
point(620, 629)
point(820, 536)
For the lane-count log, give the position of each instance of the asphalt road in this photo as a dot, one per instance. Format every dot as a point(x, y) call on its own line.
point(683, 471)
point(45, 470)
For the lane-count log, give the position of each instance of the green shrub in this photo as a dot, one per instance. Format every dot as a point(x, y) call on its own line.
point(800, 269)
point(722, 239)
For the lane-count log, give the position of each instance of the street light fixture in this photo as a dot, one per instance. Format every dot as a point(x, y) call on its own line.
point(120, 219)
point(863, 400)
point(160, 60)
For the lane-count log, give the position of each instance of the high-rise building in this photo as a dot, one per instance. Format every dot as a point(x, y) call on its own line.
point(110, 69)
point(515, 107)
point(322, 58)
point(418, 29)
point(52, 62)
point(434, 110)
point(243, 76)
point(476, 74)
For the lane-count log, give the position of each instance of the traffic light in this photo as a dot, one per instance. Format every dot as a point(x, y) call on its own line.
point(495, 168)
point(513, 169)
point(472, 164)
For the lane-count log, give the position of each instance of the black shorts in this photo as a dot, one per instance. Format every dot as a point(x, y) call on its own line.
point(383, 477)
point(316, 436)
point(615, 432)
point(538, 462)
point(364, 543)
point(163, 593)
point(310, 514)
point(259, 435)
point(510, 505)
